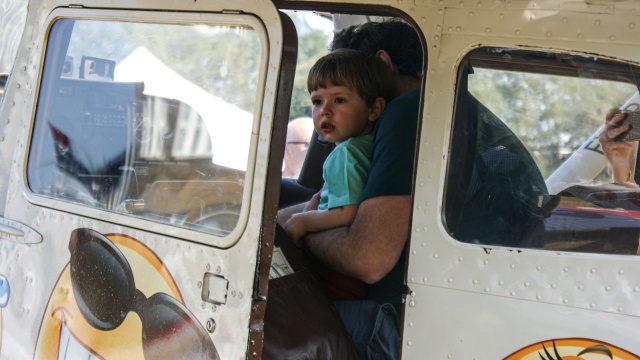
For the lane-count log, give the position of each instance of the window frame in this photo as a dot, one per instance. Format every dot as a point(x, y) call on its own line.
point(158, 17)
point(619, 71)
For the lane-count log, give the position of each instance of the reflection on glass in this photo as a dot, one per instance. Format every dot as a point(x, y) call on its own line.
point(526, 169)
point(152, 120)
point(299, 132)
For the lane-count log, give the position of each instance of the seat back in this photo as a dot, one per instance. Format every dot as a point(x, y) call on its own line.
point(496, 193)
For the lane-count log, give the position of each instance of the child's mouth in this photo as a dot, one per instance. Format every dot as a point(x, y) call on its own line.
point(326, 127)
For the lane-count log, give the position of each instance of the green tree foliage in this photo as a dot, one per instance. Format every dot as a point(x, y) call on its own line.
point(312, 44)
point(552, 115)
point(223, 60)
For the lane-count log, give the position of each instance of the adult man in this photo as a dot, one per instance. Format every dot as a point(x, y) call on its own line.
point(372, 248)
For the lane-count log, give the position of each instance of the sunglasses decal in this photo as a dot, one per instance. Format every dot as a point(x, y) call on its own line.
point(97, 310)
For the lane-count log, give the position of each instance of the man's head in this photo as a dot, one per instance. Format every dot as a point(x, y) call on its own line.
point(399, 40)
point(299, 132)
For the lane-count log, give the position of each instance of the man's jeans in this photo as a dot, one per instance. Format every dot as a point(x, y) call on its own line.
point(373, 327)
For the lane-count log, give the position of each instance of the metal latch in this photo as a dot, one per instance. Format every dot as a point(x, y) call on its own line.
point(214, 288)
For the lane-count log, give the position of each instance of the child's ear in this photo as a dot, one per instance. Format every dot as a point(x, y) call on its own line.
point(377, 108)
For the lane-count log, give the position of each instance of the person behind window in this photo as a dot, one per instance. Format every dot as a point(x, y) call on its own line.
point(372, 248)
point(299, 131)
point(618, 153)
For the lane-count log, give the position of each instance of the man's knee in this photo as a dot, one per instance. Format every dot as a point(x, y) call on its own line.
point(373, 327)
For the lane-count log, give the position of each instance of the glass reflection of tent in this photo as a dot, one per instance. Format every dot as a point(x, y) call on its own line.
point(228, 127)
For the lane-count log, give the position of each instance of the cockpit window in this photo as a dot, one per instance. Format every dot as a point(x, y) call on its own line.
point(153, 120)
point(526, 168)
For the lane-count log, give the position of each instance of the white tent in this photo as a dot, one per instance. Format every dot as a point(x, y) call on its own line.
point(229, 126)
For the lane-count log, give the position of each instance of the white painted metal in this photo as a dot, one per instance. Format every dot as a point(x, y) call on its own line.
point(485, 303)
point(466, 301)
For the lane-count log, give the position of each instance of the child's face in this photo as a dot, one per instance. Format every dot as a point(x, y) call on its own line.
point(340, 113)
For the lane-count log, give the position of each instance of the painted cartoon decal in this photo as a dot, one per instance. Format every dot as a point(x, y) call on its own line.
point(571, 349)
point(97, 310)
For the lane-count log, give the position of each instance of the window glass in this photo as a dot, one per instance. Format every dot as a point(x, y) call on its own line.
point(150, 120)
point(526, 169)
point(299, 132)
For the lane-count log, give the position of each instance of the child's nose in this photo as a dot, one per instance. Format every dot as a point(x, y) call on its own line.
point(326, 108)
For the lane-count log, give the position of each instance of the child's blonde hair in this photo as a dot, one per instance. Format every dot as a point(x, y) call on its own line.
point(363, 73)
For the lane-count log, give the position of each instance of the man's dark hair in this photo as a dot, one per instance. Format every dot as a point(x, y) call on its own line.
point(397, 38)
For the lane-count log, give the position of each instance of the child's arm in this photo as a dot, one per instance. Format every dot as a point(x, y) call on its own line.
point(318, 220)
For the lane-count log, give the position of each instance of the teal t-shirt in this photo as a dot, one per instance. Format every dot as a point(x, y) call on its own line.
point(345, 173)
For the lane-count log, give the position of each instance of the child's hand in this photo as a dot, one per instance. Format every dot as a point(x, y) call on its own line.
point(296, 229)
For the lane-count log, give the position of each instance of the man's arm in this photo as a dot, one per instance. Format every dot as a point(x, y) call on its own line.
point(618, 153)
point(372, 245)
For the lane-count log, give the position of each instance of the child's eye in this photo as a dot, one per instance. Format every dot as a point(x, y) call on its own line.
point(340, 100)
point(316, 102)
